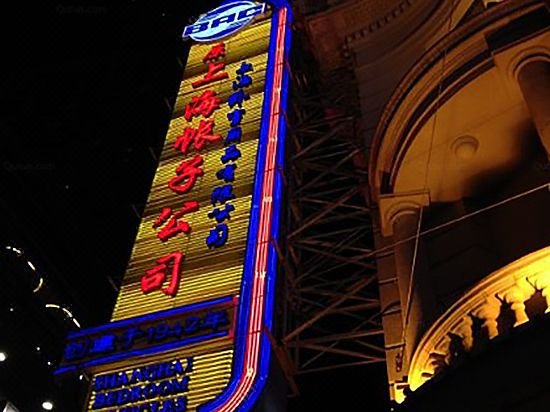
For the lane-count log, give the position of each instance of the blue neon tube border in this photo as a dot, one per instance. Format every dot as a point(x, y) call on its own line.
point(151, 316)
point(241, 327)
point(141, 319)
point(265, 347)
point(244, 307)
point(142, 352)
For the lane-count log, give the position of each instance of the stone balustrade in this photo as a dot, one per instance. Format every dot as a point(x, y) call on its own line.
point(507, 298)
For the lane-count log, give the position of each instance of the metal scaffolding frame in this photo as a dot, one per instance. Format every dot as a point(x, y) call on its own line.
point(329, 301)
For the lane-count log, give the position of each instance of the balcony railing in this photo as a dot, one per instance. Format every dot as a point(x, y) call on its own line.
point(505, 299)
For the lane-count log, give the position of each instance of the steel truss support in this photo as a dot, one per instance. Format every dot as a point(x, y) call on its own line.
point(330, 302)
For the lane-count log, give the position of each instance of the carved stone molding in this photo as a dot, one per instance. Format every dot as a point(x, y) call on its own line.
point(392, 207)
point(334, 31)
point(504, 300)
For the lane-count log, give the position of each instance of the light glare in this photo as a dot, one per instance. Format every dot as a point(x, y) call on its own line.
point(47, 405)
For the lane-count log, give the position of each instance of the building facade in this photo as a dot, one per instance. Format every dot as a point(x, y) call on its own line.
point(454, 99)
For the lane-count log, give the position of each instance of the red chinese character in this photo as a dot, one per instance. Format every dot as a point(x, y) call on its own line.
point(215, 73)
point(154, 278)
point(174, 226)
point(198, 137)
point(215, 52)
point(187, 174)
point(203, 105)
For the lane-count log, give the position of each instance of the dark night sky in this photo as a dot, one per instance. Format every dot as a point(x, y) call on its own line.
point(86, 113)
point(83, 95)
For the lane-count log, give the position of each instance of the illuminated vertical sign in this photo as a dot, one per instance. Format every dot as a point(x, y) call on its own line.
point(188, 328)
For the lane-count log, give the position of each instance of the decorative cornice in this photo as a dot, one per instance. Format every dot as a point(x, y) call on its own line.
point(356, 30)
point(416, 98)
point(434, 11)
point(380, 23)
point(455, 332)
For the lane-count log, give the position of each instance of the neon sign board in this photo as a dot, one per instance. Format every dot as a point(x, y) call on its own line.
point(224, 21)
point(200, 282)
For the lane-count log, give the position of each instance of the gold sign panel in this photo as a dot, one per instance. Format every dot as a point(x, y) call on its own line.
point(183, 378)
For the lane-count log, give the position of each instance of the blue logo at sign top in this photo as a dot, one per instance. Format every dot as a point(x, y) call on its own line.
point(224, 21)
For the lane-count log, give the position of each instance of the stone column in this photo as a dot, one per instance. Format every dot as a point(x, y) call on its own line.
point(404, 225)
point(400, 216)
point(534, 81)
